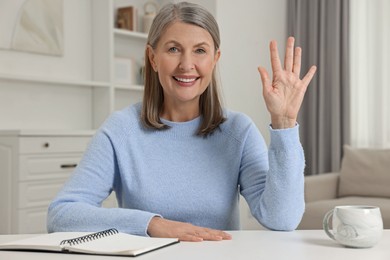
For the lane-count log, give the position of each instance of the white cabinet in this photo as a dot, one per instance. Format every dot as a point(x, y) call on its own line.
point(34, 166)
point(110, 45)
point(128, 46)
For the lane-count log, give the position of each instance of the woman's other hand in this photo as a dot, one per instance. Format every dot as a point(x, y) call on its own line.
point(159, 227)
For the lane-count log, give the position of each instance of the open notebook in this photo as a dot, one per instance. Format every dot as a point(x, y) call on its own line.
point(108, 242)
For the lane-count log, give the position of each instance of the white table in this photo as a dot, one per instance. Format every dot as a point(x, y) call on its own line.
point(261, 244)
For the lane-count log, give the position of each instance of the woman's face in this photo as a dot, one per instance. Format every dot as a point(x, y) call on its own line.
point(184, 58)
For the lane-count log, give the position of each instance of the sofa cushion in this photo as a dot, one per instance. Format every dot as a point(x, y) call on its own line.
point(316, 210)
point(365, 172)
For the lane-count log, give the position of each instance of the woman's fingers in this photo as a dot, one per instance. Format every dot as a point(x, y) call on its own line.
point(309, 75)
point(203, 237)
point(289, 55)
point(159, 227)
point(212, 234)
point(292, 59)
point(292, 63)
point(265, 79)
point(190, 238)
point(275, 60)
point(200, 234)
point(297, 61)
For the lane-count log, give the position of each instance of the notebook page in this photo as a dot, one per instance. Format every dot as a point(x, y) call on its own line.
point(121, 244)
point(48, 242)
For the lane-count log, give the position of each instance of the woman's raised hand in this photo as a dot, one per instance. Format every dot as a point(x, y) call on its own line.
point(284, 94)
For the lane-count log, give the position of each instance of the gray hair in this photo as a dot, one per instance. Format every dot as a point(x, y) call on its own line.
point(187, 13)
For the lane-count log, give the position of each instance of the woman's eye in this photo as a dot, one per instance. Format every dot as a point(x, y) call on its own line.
point(173, 49)
point(200, 51)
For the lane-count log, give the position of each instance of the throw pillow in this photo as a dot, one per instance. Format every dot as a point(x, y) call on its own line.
point(365, 172)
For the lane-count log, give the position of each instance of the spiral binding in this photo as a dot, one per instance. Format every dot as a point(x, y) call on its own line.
point(90, 237)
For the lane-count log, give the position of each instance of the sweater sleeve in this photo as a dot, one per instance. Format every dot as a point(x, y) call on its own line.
point(272, 181)
point(77, 207)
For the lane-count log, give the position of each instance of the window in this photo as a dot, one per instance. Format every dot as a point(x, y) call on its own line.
point(370, 73)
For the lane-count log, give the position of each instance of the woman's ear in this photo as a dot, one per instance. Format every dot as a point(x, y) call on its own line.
point(151, 57)
point(217, 55)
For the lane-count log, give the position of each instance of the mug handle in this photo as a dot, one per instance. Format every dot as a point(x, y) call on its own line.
point(325, 223)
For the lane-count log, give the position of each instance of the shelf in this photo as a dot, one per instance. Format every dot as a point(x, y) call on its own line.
point(46, 132)
point(83, 83)
point(127, 87)
point(131, 34)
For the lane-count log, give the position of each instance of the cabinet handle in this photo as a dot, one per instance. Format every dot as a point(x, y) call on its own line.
point(67, 166)
point(46, 145)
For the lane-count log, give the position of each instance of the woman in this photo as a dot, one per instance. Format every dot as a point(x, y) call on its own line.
point(178, 161)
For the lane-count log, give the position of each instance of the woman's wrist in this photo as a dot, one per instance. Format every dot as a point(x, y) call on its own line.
point(153, 225)
point(282, 122)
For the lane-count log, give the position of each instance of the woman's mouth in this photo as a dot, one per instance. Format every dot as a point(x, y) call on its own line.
point(187, 81)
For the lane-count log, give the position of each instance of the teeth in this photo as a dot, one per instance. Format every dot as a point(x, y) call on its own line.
point(186, 80)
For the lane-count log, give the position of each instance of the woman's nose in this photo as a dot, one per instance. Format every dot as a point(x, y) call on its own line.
point(186, 62)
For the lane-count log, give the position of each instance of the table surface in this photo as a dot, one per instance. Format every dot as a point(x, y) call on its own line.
point(259, 244)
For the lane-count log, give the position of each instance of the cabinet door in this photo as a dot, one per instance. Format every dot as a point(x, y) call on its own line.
point(46, 167)
point(38, 145)
point(31, 221)
point(38, 194)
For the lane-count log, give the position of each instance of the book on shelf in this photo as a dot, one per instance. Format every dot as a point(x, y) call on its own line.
point(107, 242)
point(127, 18)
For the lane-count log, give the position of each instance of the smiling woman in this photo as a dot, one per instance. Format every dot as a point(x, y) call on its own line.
point(179, 161)
point(184, 59)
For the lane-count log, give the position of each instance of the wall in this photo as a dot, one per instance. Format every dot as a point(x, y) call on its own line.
point(75, 61)
point(369, 73)
point(246, 30)
point(27, 105)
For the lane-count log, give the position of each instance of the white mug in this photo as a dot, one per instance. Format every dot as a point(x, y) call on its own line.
point(354, 226)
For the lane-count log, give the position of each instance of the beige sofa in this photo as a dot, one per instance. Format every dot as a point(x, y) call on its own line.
point(364, 179)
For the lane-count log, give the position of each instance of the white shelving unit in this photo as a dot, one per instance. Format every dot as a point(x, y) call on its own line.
point(119, 43)
point(42, 80)
point(130, 34)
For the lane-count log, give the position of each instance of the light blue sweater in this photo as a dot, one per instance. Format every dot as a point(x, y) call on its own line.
point(180, 176)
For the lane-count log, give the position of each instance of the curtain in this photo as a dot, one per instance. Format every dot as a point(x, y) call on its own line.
point(321, 28)
point(370, 63)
